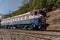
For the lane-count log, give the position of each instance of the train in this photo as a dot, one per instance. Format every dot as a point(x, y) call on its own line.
point(35, 19)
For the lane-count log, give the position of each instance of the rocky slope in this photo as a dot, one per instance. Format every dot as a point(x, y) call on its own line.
point(54, 20)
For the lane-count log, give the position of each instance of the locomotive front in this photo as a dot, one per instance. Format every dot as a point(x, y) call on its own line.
point(39, 19)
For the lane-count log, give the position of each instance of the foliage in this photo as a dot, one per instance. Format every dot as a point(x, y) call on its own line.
point(49, 5)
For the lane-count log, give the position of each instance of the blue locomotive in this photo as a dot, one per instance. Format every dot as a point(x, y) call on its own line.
point(31, 20)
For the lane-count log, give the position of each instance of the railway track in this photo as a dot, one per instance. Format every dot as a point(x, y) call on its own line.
point(48, 35)
point(31, 31)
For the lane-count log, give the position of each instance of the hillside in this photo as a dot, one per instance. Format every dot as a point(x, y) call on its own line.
point(54, 20)
point(49, 5)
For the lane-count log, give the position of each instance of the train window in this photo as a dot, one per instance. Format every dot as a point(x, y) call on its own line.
point(18, 18)
point(27, 17)
point(35, 13)
point(23, 18)
point(30, 16)
point(13, 20)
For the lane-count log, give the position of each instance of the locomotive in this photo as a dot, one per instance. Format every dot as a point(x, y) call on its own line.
point(31, 20)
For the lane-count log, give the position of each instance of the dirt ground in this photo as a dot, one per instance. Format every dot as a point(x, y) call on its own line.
point(53, 20)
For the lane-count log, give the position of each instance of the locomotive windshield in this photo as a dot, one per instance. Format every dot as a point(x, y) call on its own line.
point(38, 12)
point(35, 13)
point(42, 12)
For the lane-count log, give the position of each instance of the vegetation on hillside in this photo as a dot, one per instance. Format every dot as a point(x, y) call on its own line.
point(49, 5)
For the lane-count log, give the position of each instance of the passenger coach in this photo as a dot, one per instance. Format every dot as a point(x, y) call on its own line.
point(29, 20)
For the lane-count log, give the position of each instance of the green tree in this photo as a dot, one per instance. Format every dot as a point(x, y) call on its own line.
point(29, 5)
